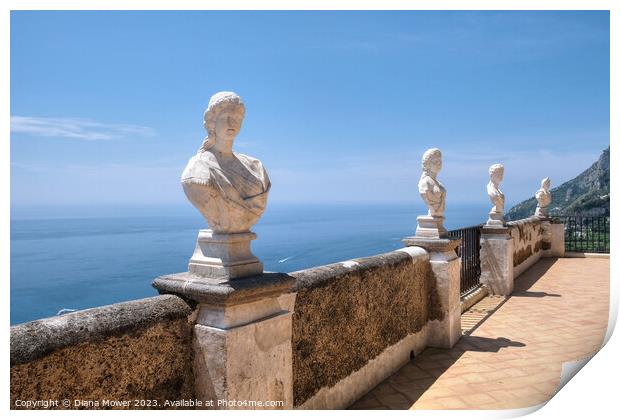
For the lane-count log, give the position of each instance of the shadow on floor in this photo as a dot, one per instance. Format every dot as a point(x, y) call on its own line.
point(521, 289)
point(528, 278)
point(405, 387)
point(534, 294)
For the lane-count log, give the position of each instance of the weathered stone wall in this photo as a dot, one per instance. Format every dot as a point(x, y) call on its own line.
point(136, 350)
point(527, 236)
point(347, 314)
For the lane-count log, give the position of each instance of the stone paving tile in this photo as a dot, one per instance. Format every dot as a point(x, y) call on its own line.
point(512, 350)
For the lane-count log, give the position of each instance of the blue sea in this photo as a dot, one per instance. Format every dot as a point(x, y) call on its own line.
point(76, 259)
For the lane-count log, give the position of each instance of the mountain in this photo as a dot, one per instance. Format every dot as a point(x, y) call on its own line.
point(585, 195)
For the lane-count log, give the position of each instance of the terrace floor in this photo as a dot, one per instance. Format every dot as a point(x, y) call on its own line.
point(512, 350)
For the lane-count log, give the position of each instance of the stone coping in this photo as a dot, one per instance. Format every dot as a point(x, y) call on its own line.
point(496, 230)
point(231, 292)
point(35, 339)
point(433, 244)
point(533, 219)
point(323, 275)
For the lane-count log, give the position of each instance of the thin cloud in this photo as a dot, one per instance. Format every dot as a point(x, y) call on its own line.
point(76, 128)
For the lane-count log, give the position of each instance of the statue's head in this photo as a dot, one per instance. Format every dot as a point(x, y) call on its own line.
point(545, 184)
point(497, 172)
point(223, 117)
point(431, 161)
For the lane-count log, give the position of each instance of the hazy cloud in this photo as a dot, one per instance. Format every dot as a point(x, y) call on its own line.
point(76, 128)
point(105, 183)
point(384, 177)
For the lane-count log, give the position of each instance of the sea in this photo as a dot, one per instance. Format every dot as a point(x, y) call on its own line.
point(70, 259)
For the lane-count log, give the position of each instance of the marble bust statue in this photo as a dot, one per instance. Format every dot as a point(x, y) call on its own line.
point(432, 191)
point(496, 216)
point(229, 189)
point(543, 196)
point(434, 195)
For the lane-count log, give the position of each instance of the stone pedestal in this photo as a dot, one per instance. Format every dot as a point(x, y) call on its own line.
point(242, 338)
point(431, 227)
point(557, 240)
point(496, 260)
point(224, 256)
point(553, 238)
point(496, 219)
point(446, 269)
point(546, 235)
point(541, 212)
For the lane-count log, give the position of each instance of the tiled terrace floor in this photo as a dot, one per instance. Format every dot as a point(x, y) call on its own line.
point(513, 358)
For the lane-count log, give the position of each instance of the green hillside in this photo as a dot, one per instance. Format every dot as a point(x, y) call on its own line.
point(585, 195)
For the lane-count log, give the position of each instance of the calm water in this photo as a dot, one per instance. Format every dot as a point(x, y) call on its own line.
point(78, 263)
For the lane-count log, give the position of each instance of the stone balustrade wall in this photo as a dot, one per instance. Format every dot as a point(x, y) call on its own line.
point(527, 236)
point(535, 238)
point(356, 322)
point(136, 350)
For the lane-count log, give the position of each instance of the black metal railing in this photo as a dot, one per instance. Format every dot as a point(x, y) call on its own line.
point(469, 252)
point(585, 233)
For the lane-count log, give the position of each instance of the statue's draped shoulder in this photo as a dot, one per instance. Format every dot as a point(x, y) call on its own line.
point(255, 166)
point(428, 183)
point(200, 168)
point(203, 167)
point(425, 182)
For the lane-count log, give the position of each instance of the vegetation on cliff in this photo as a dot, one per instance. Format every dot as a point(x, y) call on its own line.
point(585, 195)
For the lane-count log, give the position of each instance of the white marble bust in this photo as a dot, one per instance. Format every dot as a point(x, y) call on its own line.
point(543, 196)
point(496, 215)
point(229, 189)
point(431, 190)
point(433, 193)
point(496, 173)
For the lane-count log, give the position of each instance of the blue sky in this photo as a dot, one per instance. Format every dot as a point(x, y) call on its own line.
point(107, 106)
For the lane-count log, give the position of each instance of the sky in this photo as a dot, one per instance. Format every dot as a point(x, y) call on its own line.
point(106, 107)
